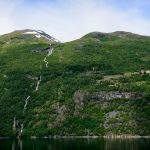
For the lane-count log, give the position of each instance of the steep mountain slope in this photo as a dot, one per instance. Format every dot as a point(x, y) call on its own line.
point(96, 85)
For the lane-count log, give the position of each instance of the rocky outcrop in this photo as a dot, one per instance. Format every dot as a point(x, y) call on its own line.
point(107, 96)
point(80, 98)
point(145, 72)
point(111, 114)
point(41, 50)
point(31, 77)
point(60, 112)
point(47, 36)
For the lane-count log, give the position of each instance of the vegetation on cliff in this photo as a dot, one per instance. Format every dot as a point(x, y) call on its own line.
point(67, 101)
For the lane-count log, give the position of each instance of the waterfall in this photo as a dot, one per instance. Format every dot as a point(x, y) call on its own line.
point(13, 146)
point(26, 103)
point(20, 144)
point(38, 83)
point(14, 124)
point(21, 129)
point(50, 51)
point(46, 62)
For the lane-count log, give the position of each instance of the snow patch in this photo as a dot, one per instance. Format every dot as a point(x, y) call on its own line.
point(39, 34)
point(31, 32)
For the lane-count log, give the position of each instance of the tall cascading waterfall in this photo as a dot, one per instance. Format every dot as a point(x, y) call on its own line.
point(26, 103)
point(21, 130)
point(50, 51)
point(24, 108)
point(15, 124)
point(38, 83)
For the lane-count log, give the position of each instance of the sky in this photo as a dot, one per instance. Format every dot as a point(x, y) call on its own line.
point(68, 20)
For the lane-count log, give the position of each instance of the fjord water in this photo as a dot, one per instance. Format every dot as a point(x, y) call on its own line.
point(76, 144)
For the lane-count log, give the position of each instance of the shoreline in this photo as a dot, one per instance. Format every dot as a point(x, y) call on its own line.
point(83, 137)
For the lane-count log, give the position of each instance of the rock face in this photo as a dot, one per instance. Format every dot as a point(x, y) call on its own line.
point(31, 77)
point(116, 118)
point(60, 112)
point(111, 114)
point(42, 33)
point(79, 97)
point(106, 96)
point(41, 50)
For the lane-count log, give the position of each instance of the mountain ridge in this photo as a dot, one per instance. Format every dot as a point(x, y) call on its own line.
point(91, 34)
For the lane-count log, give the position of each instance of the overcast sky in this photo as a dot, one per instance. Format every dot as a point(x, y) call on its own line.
point(70, 19)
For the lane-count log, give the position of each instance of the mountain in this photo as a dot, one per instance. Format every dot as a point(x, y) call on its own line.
point(96, 85)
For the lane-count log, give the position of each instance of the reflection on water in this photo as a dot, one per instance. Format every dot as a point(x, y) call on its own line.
point(76, 144)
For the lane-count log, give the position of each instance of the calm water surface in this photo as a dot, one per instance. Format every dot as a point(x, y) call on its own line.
point(76, 144)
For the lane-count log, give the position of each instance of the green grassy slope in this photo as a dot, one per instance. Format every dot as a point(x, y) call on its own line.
point(96, 62)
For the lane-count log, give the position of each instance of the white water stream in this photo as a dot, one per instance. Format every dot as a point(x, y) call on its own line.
point(38, 83)
point(14, 124)
point(50, 51)
point(21, 130)
point(26, 103)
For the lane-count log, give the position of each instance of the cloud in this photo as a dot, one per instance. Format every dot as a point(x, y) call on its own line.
point(70, 19)
point(7, 8)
